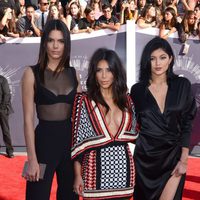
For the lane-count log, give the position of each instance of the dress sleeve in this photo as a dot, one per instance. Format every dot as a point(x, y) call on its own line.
point(187, 116)
point(83, 132)
point(76, 122)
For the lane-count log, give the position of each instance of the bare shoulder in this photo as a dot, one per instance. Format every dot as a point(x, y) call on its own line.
point(28, 76)
point(28, 72)
point(68, 17)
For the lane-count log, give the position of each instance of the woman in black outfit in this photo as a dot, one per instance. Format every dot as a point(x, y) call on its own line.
point(165, 108)
point(51, 84)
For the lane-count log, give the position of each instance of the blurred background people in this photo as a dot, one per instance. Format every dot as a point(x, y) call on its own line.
point(148, 17)
point(42, 13)
point(88, 23)
point(188, 27)
point(8, 22)
point(128, 11)
point(96, 5)
point(169, 23)
point(5, 110)
point(55, 13)
point(27, 25)
point(74, 14)
point(108, 20)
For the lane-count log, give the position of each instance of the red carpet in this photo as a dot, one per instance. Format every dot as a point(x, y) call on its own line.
point(12, 185)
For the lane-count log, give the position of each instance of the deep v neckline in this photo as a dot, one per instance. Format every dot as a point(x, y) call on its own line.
point(106, 124)
point(156, 102)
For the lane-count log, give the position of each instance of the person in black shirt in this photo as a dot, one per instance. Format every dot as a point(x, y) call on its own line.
point(88, 23)
point(49, 87)
point(165, 109)
point(107, 20)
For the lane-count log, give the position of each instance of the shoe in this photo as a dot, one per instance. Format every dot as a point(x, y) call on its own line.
point(10, 155)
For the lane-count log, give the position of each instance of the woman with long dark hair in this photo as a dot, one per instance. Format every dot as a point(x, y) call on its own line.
point(169, 23)
point(165, 109)
point(103, 124)
point(7, 22)
point(148, 17)
point(49, 87)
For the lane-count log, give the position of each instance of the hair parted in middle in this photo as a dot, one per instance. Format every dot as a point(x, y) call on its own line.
point(145, 62)
point(51, 25)
point(119, 87)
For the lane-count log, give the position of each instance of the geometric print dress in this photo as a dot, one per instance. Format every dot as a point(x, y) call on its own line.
point(107, 163)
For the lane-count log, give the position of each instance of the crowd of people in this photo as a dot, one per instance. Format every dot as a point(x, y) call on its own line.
point(23, 18)
point(83, 136)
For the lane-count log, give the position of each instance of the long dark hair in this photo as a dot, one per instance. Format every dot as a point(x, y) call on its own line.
point(145, 62)
point(43, 57)
point(186, 26)
point(173, 21)
point(119, 87)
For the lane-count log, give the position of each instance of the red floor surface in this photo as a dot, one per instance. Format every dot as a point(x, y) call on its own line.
point(12, 185)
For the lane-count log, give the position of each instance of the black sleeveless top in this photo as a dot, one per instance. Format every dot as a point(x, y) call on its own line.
point(54, 98)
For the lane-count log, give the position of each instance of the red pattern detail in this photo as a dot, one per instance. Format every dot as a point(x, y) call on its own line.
point(132, 167)
point(89, 171)
point(77, 101)
point(93, 117)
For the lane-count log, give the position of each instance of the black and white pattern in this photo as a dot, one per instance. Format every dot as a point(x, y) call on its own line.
point(85, 128)
point(114, 167)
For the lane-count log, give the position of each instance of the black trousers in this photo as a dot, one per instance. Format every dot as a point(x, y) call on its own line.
point(52, 143)
point(6, 131)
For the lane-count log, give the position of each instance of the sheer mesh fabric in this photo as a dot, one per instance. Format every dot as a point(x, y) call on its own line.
point(57, 88)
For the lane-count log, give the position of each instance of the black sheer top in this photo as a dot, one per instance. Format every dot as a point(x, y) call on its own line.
point(54, 98)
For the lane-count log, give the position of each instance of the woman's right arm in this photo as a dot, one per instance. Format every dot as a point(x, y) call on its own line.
point(28, 112)
point(163, 34)
point(162, 31)
point(5, 18)
point(78, 181)
point(142, 24)
point(123, 7)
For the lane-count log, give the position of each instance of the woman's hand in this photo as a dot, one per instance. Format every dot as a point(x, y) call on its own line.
point(180, 169)
point(8, 10)
point(2, 38)
point(78, 185)
point(33, 171)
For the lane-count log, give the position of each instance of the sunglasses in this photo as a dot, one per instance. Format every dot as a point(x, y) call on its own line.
point(44, 4)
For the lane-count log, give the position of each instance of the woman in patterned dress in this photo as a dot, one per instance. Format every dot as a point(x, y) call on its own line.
point(103, 124)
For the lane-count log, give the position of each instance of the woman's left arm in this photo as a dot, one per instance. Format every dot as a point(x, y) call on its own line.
point(181, 166)
point(187, 116)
